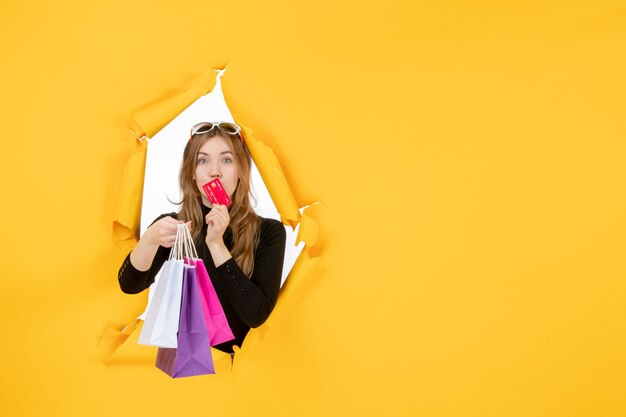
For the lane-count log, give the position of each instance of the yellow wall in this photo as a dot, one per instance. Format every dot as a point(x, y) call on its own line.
point(471, 157)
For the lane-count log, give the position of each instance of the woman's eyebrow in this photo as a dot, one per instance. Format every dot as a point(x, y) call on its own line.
point(221, 153)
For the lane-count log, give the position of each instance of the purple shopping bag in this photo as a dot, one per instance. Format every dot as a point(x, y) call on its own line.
point(217, 324)
point(193, 354)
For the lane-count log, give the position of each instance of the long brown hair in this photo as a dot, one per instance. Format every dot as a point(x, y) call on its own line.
point(244, 223)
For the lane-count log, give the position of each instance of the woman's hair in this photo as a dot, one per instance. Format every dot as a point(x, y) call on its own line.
point(244, 223)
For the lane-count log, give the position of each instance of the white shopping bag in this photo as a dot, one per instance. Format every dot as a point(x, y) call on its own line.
point(160, 327)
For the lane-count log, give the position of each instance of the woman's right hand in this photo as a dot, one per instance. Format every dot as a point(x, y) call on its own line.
point(163, 231)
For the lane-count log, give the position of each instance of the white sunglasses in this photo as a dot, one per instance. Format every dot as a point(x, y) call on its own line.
point(226, 127)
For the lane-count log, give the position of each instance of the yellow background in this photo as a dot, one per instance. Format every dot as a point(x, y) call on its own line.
point(471, 158)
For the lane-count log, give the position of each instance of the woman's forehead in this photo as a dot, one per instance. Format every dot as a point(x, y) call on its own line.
point(216, 145)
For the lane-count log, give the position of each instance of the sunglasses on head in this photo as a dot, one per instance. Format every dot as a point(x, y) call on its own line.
point(226, 127)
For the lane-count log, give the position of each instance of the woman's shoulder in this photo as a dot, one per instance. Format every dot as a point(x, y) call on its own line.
point(269, 226)
point(268, 222)
point(272, 235)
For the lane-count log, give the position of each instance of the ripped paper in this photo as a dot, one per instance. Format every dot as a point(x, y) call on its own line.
point(126, 225)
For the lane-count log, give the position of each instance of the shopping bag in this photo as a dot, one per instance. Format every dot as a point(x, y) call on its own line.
point(160, 326)
point(217, 324)
point(162, 317)
point(193, 354)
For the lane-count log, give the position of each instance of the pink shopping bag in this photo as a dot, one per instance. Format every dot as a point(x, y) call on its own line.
point(217, 325)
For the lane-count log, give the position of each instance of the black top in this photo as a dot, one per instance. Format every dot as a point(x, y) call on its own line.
point(247, 303)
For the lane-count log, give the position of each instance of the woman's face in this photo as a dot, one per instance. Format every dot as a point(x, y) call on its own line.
point(216, 160)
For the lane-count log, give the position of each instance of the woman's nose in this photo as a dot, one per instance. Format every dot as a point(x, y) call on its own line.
point(215, 172)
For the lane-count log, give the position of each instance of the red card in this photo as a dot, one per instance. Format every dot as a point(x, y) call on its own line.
point(216, 193)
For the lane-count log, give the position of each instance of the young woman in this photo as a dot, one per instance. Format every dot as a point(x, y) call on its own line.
point(243, 253)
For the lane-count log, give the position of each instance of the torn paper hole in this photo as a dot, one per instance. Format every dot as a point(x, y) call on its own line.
point(303, 221)
point(163, 161)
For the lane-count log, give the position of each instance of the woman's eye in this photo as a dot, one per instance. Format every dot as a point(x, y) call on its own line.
point(201, 161)
point(227, 161)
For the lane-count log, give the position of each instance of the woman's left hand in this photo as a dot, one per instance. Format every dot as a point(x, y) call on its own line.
point(217, 221)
